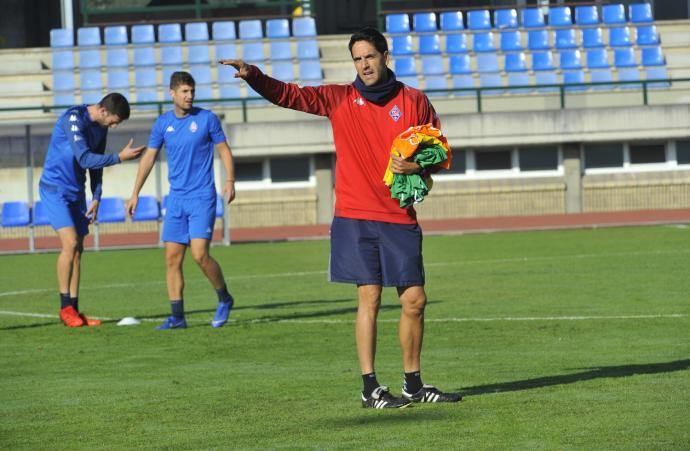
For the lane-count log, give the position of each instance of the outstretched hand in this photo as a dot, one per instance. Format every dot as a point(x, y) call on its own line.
point(240, 66)
point(129, 152)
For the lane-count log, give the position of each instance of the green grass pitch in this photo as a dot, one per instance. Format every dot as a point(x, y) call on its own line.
point(559, 340)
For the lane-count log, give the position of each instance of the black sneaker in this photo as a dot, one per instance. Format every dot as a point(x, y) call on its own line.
point(381, 398)
point(429, 393)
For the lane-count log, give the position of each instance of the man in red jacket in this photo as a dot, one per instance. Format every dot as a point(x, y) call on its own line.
point(374, 242)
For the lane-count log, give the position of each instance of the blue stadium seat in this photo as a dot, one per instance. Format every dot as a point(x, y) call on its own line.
point(253, 51)
point(196, 32)
point(91, 96)
point(592, 38)
point(143, 34)
point(118, 79)
point(229, 91)
point(629, 74)
point(483, 42)
point(410, 81)
point(116, 57)
point(640, 13)
point(597, 59)
point(544, 74)
point(226, 76)
point(111, 209)
point(283, 71)
point(88, 36)
point(600, 76)
point(63, 80)
point(432, 65)
point(505, 19)
point(90, 80)
point(277, 28)
point(424, 22)
point(304, 27)
point(308, 49)
point(653, 56)
point(570, 60)
point(452, 21)
point(15, 214)
point(647, 35)
point(395, 23)
point(66, 98)
point(89, 59)
point(624, 57)
point(565, 39)
point(479, 20)
point(198, 54)
point(226, 51)
point(405, 66)
point(171, 55)
point(201, 74)
point(613, 14)
point(538, 40)
point(115, 35)
point(145, 77)
point(487, 62)
point(166, 72)
point(310, 70)
point(63, 60)
point(516, 67)
point(147, 209)
point(459, 64)
point(619, 37)
point(657, 73)
point(61, 37)
point(586, 15)
point(532, 18)
point(223, 30)
point(436, 82)
point(574, 77)
point(560, 16)
point(456, 43)
point(401, 45)
point(39, 215)
point(280, 50)
point(203, 94)
point(146, 95)
point(251, 29)
point(511, 41)
point(491, 80)
point(463, 81)
point(169, 32)
point(429, 44)
point(144, 56)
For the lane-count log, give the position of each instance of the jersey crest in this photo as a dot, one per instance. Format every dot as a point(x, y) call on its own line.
point(193, 127)
point(395, 113)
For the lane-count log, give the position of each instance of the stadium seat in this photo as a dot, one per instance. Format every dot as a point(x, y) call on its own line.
point(305, 27)
point(542, 64)
point(491, 80)
point(395, 23)
point(538, 40)
point(619, 37)
point(647, 35)
point(516, 67)
point(640, 13)
point(410, 81)
point(115, 35)
point(227, 76)
point(532, 18)
point(201, 74)
point(479, 20)
point(90, 80)
point(601, 76)
point(91, 96)
point(277, 28)
point(586, 15)
point(652, 56)
point(146, 95)
point(166, 72)
point(226, 51)
point(63, 60)
point(280, 50)
point(111, 209)
point(452, 21)
point(560, 16)
point(88, 36)
point(310, 70)
point(511, 41)
point(15, 214)
point(597, 59)
point(61, 37)
point(405, 66)
point(229, 91)
point(170, 32)
point(66, 99)
point(144, 56)
point(196, 32)
point(402, 45)
point(308, 49)
point(253, 51)
point(483, 42)
point(203, 94)
point(251, 29)
point(283, 71)
point(459, 64)
point(147, 209)
point(565, 39)
point(63, 80)
point(487, 62)
point(223, 30)
point(89, 59)
point(574, 77)
point(629, 74)
point(424, 22)
point(592, 38)
point(456, 43)
point(624, 57)
point(429, 44)
point(436, 82)
point(505, 19)
point(116, 57)
point(171, 55)
point(463, 81)
point(198, 54)
point(613, 14)
point(432, 65)
point(145, 77)
point(570, 59)
point(118, 79)
point(39, 216)
point(143, 34)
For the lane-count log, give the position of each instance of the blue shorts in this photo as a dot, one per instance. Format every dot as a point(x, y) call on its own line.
point(63, 212)
point(376, 253)
point(186, 219)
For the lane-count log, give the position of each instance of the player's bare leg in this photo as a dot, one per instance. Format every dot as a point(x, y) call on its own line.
point(213, 272)
point(69, 242)
point(174, 276)
point(365, 325)
point(411, 332)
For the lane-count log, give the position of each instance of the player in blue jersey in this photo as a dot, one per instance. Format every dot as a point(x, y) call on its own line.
point(189, 134)
point(77, 144)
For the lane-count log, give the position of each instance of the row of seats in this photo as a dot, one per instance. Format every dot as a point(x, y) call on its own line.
point(513, 40)
point(558, 16)
point(111, 209)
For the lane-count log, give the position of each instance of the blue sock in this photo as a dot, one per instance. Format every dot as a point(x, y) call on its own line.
point(75, 303)
point(223, 295)
point(177, 308)
point(65, 300)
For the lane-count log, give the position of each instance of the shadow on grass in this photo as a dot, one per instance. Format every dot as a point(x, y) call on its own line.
point(383, 417)
point(31, 326)
point(592, 373)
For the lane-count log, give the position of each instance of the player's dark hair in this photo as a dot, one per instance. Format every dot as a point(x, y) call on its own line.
point(181, 78)
point(371, 35)
point(116, 103)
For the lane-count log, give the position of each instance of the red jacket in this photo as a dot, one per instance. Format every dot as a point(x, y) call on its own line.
point(363, 133)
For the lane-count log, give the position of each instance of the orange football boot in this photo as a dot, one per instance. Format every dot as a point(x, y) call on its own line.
point(89, 322)
point(70, 317)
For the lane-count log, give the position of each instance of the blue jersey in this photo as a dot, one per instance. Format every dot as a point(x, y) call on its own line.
point(189, 143)
point(77, 144)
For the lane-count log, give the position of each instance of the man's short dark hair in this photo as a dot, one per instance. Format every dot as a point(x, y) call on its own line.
point(371, 35)
point(116, 103)
point(181, 78)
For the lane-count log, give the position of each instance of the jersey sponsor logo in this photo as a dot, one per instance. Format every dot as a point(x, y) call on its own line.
point(359, 101)
point(170, 129)
point(193, 127)
point(73, 118)
point(395, 113)
point(74, 128)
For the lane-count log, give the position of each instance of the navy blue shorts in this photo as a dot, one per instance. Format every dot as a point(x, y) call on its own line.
point(186, 219)
point(63, 212)
point(376, 253)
